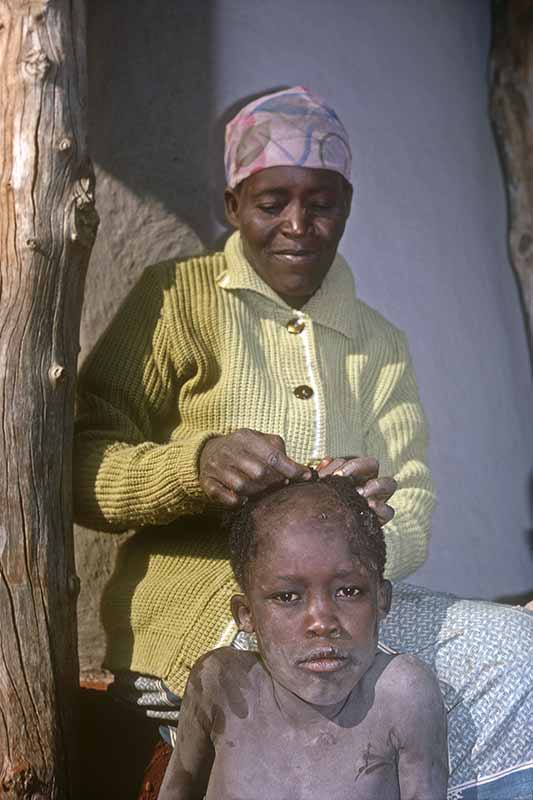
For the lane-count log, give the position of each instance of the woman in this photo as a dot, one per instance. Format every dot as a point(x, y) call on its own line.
point(225, 374)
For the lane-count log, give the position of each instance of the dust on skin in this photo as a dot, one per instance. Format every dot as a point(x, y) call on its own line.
point(234, 698)
point(179, 767)
point(219, 721)
point(355, 712)
point(235, 691)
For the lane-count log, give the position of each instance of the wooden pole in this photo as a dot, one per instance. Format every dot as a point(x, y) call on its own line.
point(47, 227)
point(511, 107)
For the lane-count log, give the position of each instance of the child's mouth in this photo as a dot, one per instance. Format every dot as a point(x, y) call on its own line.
point(327, 660)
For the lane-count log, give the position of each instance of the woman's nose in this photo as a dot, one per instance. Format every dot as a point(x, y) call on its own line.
point(322, 619)
point(295, 221)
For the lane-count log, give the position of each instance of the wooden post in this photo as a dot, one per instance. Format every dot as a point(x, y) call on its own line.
point(47, 227)
point(512, 115)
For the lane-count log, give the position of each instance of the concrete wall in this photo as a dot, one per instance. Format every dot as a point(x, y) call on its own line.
point(427, 238)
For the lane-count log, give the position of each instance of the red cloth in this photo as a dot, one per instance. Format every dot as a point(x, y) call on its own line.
point(155, 772)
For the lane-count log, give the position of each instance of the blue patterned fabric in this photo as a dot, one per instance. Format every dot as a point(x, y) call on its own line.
point(482, 654)
point(513, 785)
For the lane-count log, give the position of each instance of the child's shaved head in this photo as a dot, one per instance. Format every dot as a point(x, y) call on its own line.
point(360, 523)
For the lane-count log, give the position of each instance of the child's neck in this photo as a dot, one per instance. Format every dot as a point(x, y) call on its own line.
point(300, 712)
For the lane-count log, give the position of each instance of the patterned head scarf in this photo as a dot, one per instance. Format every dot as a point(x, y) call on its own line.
point(292, 128)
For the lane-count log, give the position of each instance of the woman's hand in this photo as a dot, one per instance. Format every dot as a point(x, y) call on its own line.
point(376, 490)
point(244, 463)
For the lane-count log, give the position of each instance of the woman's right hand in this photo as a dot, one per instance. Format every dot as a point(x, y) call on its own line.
point(244, 463)
point(377, 490)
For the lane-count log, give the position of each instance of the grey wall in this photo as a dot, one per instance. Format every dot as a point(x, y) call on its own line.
point(426, 240)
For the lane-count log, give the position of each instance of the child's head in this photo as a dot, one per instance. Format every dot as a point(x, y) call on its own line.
point(309, 558)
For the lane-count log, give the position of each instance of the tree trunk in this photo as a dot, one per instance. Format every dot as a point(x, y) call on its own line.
point(512, 116)
point(47, 227)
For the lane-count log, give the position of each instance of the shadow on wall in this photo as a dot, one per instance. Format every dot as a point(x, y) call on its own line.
point(150, 105)
point(150, 78)
point(150, 70)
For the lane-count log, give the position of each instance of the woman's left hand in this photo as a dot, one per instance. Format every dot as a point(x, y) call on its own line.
point(365, 470)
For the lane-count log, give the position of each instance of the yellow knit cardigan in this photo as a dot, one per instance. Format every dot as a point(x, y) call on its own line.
point(201, 348)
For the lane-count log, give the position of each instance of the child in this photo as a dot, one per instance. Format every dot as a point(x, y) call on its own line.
point(318, 712)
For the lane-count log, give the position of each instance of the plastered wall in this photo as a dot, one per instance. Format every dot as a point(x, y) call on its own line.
point(427, 237)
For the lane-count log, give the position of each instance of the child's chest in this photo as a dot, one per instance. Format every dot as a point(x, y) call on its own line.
point(267, 759)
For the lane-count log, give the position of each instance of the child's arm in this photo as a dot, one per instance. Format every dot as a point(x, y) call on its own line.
point(190, 765)
point(422, 733)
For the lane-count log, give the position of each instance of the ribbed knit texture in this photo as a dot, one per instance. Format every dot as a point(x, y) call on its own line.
point(201, 348)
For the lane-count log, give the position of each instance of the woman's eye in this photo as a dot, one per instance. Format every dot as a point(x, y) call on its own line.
point(270, 209)
point(348, 591)
point(286, 597)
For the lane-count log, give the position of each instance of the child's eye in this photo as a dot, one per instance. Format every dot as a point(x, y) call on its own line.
point(348, 591)
point(286, 597)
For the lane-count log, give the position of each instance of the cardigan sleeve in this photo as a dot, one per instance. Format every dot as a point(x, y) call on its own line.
point(125, 474)
point(396, 434)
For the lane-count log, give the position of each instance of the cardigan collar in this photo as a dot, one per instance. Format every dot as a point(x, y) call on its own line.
point(331, 305)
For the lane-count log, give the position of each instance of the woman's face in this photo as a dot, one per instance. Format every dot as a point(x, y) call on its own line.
point(291, 220)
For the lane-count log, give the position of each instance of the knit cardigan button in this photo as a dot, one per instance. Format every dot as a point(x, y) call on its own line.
point(295, 325)
point(303, 392)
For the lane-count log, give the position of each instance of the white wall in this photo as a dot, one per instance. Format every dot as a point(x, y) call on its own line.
point(427, 240)
point(427, 237)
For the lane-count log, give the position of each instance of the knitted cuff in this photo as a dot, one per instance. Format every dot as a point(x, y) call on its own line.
point(185, 457)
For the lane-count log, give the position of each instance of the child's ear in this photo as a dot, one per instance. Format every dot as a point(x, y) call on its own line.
point(384, 599)
point(242, 615)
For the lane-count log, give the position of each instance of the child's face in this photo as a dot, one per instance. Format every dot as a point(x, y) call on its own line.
point(312, 605)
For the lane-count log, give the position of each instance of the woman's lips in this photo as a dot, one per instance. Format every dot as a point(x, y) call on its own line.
point(295, 256)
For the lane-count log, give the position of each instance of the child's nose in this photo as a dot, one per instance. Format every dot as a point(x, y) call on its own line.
point(322, 619)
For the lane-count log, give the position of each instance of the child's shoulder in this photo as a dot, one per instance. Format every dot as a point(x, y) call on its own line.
point(227, 657)
point(404, 679)
point(224, 667)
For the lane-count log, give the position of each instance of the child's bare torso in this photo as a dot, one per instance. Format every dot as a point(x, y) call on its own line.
point(267, 744)
point(264, 751)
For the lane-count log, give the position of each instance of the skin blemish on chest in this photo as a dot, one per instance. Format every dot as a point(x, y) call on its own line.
point(327, 739)
point(373, 761)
